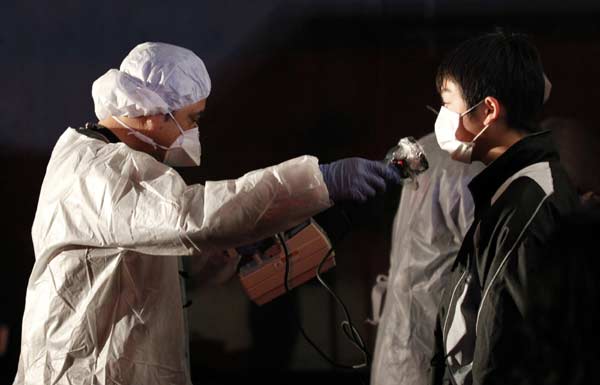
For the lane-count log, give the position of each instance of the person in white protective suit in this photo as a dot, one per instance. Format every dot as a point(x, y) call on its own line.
point(429, 227)
point(104, 302)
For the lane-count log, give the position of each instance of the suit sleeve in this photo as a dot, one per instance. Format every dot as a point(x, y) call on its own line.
point(113, 197)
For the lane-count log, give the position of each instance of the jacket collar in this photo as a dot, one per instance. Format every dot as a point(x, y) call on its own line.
point(534, 148)
point(97, 131)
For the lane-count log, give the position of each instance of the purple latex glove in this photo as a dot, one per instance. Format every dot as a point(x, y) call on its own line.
point(357, 179)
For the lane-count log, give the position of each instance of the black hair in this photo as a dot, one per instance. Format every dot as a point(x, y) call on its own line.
point(504, 65)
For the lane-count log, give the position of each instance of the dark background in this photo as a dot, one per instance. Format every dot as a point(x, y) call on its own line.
point(329, 78)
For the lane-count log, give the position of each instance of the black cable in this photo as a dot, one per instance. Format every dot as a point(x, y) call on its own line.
point(352, 334)
point(297, 318)
point(349, 330)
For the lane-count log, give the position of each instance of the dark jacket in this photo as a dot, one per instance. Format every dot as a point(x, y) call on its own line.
point(519, 200)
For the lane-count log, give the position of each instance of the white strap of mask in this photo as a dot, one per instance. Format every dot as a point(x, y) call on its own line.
point(139, 135)
point(484, 128)
point(480, 132)
point(472, 108)
point(177, 123)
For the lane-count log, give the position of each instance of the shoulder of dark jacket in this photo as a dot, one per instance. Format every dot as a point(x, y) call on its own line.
point(534, 148)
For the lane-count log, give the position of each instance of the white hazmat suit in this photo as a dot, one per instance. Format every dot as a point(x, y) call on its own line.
point(429, 227)
point(103, 301)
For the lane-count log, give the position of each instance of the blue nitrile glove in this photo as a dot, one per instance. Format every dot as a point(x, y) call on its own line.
point(357, 179)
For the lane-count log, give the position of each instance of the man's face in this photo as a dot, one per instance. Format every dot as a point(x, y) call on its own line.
point(453, 100)
point(187, 117)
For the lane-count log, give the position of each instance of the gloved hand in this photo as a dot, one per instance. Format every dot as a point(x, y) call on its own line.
point(357, 179)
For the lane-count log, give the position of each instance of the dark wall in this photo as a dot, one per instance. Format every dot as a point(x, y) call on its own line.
point(329, 78)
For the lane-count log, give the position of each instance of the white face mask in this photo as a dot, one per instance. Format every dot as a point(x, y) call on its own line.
point(446, 124)
point(185, 151)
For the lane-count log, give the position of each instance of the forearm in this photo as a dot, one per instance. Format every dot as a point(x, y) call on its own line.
point(257, 205)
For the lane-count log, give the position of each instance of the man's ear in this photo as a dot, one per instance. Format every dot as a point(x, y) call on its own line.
point(493, 110)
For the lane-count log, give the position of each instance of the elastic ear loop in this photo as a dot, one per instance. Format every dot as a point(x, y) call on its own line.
point(480, 132)
point(484, 128)
point(471, 109)
point(139, 135)
point(177, 123)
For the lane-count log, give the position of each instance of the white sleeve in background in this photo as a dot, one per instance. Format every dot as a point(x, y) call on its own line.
point(428, 230)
